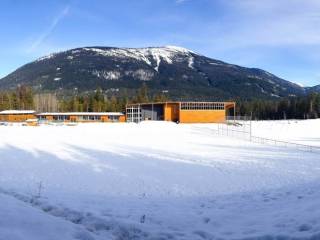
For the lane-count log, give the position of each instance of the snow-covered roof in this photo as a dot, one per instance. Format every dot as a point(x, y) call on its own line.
point(7, 112)
point(81, 114)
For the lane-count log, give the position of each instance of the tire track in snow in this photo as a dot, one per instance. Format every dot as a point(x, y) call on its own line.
point(94, 227)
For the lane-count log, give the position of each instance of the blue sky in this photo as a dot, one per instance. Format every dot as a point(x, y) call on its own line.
point(280, 36)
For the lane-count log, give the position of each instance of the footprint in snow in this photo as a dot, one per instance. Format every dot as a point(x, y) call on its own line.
point(304, 227)
point(206, 220)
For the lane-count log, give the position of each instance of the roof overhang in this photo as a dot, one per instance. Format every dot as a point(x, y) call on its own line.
point(17, 112)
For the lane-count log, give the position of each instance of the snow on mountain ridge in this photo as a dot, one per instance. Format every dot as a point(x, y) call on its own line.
point(178, 49)
point(157, 54)
point(46, 57)
point(147, 55)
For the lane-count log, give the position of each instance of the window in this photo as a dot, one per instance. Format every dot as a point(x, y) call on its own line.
point(89, 118)
point(202, 106)
point(94, 118)
point(134, 113)
point(61, 118)
point(114, 118)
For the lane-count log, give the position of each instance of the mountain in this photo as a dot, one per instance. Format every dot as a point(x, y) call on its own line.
point(315, 89)
point(176, 71)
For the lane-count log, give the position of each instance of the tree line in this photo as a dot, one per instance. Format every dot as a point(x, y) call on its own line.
point(23, 98)
point(303, 107)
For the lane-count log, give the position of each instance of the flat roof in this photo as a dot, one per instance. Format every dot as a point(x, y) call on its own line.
point(15, 112)
point(132, 104)
point(81, 114)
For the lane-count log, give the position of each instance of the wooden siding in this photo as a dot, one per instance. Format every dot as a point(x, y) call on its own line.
point(16, 117)
point(171, 112)
point(49, 118)
point(77, 118)
point(202, 116)
point(122, 118)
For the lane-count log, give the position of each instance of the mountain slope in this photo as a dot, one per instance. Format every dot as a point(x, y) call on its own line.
point(181, 72)
point(315, 89)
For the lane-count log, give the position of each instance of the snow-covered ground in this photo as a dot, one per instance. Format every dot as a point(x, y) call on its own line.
point(157, 180)
point(301, 132)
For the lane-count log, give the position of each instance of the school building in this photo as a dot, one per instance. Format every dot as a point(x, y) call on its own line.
point(182, 112)
point(82, 117)
point(17, 115)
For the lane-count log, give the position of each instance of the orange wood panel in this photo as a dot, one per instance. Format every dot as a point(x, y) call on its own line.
point(104, 119)
point(202, 116)
point(171, 112)
point(73, 119)
point(122, 118)
point(17, 117)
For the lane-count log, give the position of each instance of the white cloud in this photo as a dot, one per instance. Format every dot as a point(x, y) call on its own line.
point(180, 1)
point(50, 29)
point(271, 23)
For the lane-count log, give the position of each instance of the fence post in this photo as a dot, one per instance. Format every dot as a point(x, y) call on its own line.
point(246, 131)
point(250, 131)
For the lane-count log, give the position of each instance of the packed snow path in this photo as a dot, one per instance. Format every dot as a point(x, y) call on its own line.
point(155, 180)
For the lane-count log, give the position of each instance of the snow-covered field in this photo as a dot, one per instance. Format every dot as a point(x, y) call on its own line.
point(158, 180)
point(301, 132)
